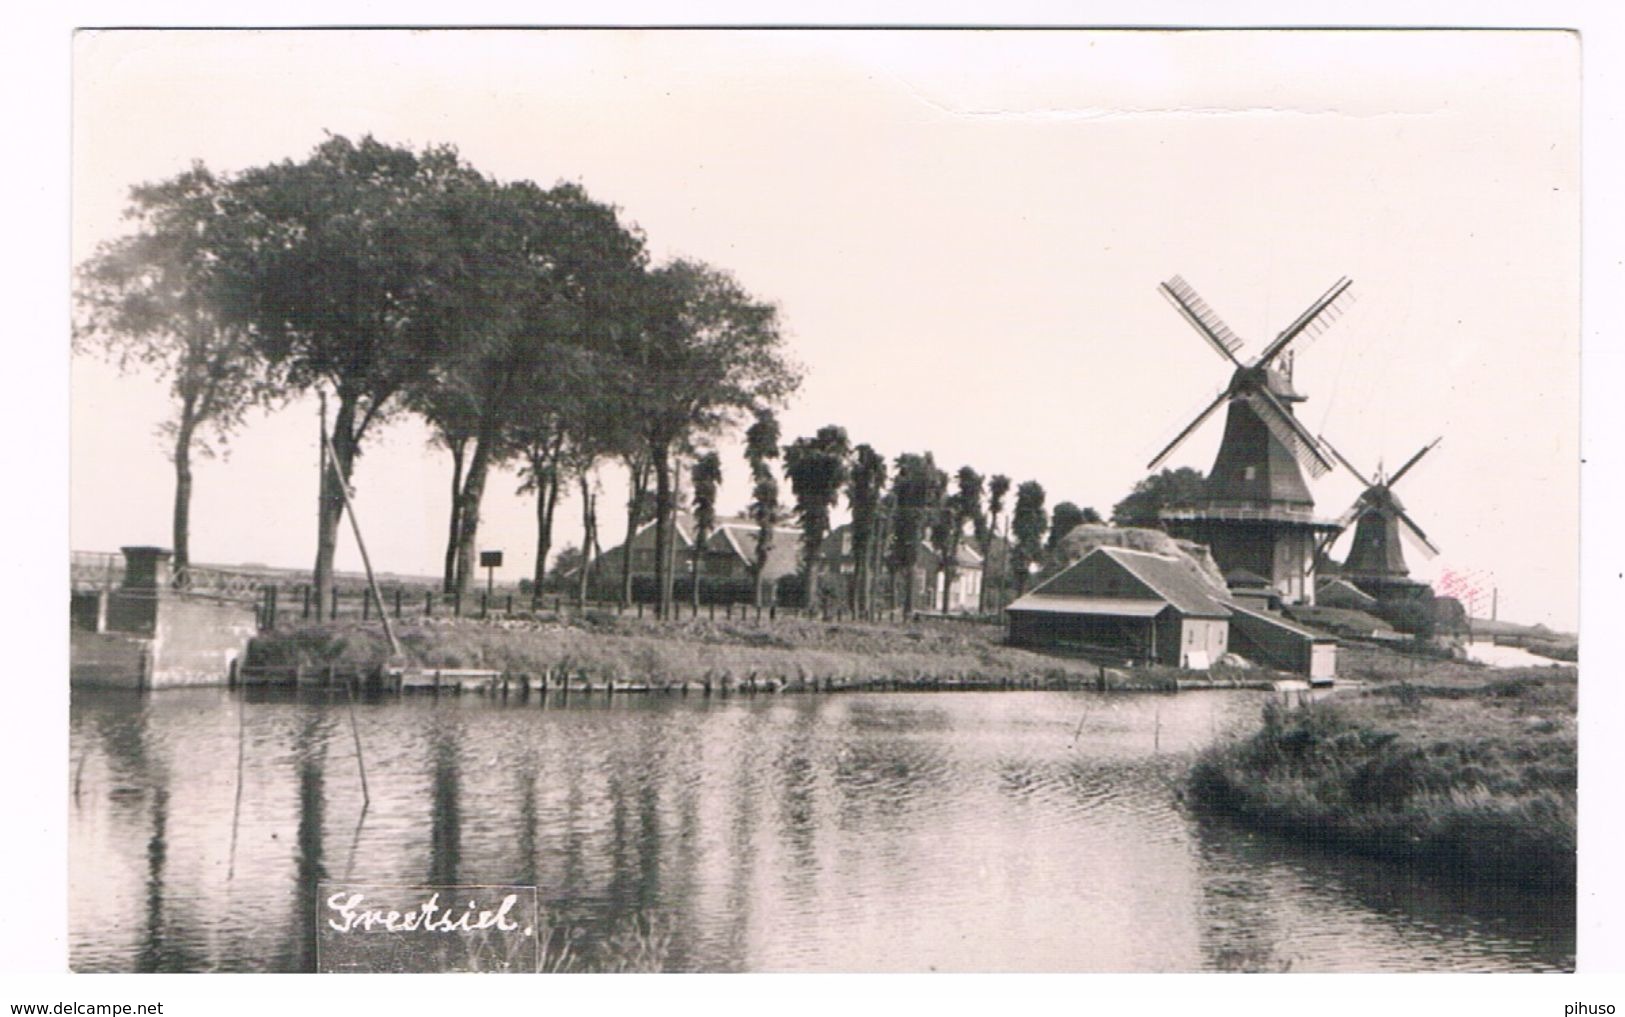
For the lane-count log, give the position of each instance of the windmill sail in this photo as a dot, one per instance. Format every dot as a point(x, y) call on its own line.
point(1289, 431)
point(1415, 538)
point(1413, 460)
point(1168, 450)
point(1202, 317)
point(1314, 321)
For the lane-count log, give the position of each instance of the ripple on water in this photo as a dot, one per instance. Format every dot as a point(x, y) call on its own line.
point(961, 831)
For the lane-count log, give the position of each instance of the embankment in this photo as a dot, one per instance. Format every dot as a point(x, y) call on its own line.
point(1474, 778)
point(791, 653)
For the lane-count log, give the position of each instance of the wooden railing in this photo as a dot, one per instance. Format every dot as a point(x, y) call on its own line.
point(220, 584)
point(95, 570)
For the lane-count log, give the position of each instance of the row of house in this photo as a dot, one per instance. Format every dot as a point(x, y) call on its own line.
point(729, 555)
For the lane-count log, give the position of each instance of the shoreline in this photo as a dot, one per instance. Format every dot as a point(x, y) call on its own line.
point(607, 652)
point(1469, 775)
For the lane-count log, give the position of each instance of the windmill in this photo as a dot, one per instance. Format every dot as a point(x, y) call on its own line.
point(1258, 514)
point(1381, 527)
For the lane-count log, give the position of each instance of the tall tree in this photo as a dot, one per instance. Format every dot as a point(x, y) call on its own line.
point(997, 488)
point(864, 488)
point(918, 486)
point(149, 301)
point(817, 468)
point(1063, 518)
point(705, 477)
point(551, 269)
point(1028, 521)
point(962, 507)
point(351, 272)
point(705, 353)
point(1170, 488)
point(761, 448)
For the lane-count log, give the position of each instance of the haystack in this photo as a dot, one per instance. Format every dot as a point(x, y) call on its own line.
point(1082, 539)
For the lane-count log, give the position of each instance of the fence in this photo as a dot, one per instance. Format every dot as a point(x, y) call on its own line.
point(296, 604)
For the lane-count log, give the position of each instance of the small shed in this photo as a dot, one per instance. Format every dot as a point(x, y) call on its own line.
point(1136, 604)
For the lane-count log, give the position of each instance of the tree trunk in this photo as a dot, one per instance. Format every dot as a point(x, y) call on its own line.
point(699, 551)
point(479, 466)
point(810, 600)
point(182, 522)
point(448, 581)
point(662, 535)
point(860, 567)
point(589, 537)
point(908, 590)
point(330, 509)
point(669, 591)
point(547, 493)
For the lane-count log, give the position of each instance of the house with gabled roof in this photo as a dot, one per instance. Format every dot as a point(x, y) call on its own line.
point(932, 591)
point(730, 551)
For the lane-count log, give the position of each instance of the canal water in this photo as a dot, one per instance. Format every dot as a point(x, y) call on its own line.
point(1026, 831)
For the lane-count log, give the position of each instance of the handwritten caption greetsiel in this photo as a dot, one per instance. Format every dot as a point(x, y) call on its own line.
point(378, 928)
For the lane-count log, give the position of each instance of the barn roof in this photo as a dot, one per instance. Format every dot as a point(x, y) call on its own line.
point(1171, 581)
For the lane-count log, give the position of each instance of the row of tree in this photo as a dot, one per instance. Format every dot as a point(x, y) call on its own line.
point(896, 509)
point(526, 325)
point(528, 328)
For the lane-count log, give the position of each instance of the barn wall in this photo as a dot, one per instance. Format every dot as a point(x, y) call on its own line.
point(1204, 635)
point(1127, 636)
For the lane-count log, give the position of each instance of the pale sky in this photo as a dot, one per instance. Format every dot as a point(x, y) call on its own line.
point(964, 232)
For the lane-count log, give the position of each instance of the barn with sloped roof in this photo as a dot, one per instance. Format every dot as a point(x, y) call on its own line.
point(1137, 604)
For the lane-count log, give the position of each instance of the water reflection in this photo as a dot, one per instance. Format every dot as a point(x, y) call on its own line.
point(1015, 831)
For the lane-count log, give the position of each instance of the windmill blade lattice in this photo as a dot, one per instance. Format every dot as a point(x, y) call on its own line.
point(1208, 324)
point(1289, 432)
point(1312, 323)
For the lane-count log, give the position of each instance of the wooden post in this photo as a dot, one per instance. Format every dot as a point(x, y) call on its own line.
point(428, 603)
point(509, 608)
point(397, 602)
point(305, 611)
point(366, 605)
point(361, 545)
point(485, 604)
point(334, 614)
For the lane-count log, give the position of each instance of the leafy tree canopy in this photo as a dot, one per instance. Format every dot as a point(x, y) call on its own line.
point(1150, 496)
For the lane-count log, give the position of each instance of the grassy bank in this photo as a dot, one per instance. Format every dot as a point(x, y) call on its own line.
point(1466, 770)
point(790, 652)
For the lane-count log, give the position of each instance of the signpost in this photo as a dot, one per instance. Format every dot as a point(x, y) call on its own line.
point(490, 561)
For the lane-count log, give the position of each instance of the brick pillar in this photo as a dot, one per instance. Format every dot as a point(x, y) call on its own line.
point(146, 568)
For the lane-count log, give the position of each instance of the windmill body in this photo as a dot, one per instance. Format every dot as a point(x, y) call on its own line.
point(1257, 513)
point(1377, 552)
point(1382, 527)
